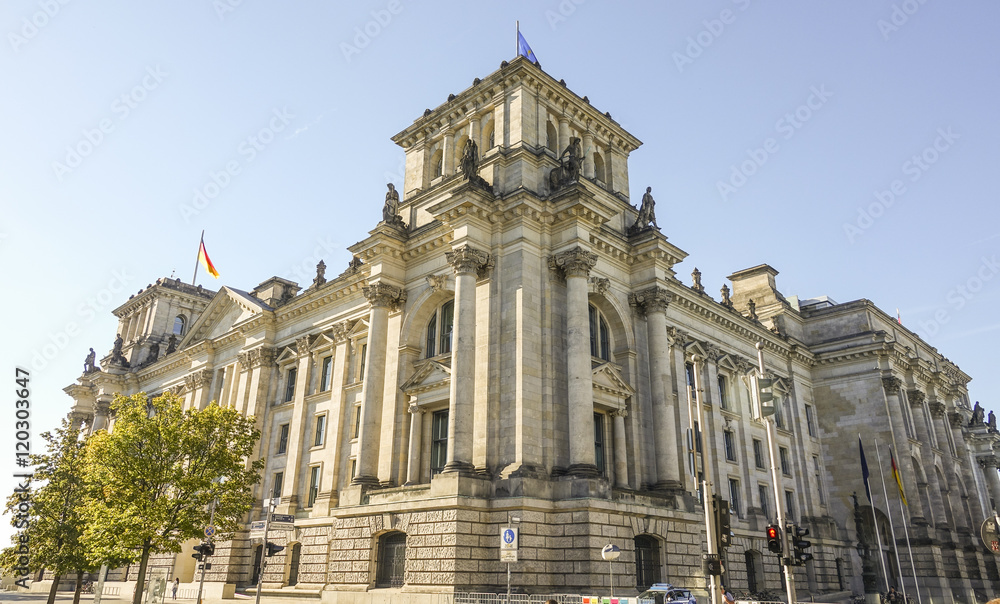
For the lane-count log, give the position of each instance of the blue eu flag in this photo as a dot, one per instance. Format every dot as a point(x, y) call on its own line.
point(523, 50)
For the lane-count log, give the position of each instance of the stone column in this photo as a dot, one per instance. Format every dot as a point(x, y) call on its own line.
point(588, 154)
point(653, 302)
point(621, 459)
point(576, 264)
point(340, 419)
point(957, 421)
point(951, 491)
point(563, 134)
point(448, 152)
point(290, 488)
point(101, 410)
point(917, 398)
point(416, 430)
point(891, 385)
point(989, 464)
point(198, 384)
point(466, 260)
point(382, 297)
point(474, 134)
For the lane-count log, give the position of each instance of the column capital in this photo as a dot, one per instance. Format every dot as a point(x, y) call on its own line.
point(467, 259)
point(988, 461)
point(198, 379)
point(416, 409)
point(302, 346)
point(936, 409)
point(653, 299)
point(576, 262)
point(956, 419)
point(891, 384)
point(383, 295)
point(916, 397)
point(622, 413)
point(244, 360)
point(262, 356)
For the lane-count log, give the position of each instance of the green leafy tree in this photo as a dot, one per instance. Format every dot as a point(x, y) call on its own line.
point(47, 511)
point(156, 474)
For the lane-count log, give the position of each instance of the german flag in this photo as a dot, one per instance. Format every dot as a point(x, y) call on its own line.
point(205, 261)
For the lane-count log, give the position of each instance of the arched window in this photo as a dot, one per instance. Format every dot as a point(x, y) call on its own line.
point(755, 570)
point(179, 323)
point(487, 137)
point(439, 330)
point(647, 562)
point(551, 137)
point(600, 338)
point(599, 167)
point(438, 162)
point(391, 563)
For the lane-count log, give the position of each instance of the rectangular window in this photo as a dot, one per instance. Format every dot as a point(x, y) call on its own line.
point(723, 394)
point(727, 438)
point(689, 370)
point(326, 376)
point(282, 439)
point(819, 480)
point(313, 485)
point(783, 456)
point(758, 453)
point(789, 505)
point(290, 383)
point(697, 438)
point(810, 426)
point(439, 441)
point(762, 494)
point(357, 421)
point(599, 442)
point(593, 331)
point(279, 478)
point(431, 341)
point(354, 468)
point(320, 430)
point(779, 415)
point(734, 496)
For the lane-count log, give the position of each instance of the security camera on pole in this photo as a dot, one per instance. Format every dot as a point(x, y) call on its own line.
point(764, 405)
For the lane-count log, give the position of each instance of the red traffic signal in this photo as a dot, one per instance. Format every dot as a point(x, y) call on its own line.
point(774, 539)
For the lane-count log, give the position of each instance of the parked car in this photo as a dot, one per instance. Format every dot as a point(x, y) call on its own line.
point(665, 593)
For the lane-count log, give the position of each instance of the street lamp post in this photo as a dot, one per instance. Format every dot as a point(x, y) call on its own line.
point(269, 505)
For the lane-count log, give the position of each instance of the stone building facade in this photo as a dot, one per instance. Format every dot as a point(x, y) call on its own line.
point(512, 341)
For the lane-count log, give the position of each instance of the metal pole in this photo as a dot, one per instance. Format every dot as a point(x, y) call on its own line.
point(508, 565)
point(611, 575)
point(706, 485)
point(892, 529)
point(906, 531)
point(204, 562)
point(198, 259)
point(779, 504)
point(269, 504)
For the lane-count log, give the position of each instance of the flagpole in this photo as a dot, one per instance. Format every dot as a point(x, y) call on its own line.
point(517, 32)
point(906, 531)
point(198, 257)
point(892, 529)
point(878, 536)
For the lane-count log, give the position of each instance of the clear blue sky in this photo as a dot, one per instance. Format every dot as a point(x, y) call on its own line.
point(826, 104)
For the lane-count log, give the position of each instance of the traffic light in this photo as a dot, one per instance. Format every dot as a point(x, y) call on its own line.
point(799, 545)
point(208, 548)
point(725, 533)
point(774, 539)
point(273, 548)
point(765, 394)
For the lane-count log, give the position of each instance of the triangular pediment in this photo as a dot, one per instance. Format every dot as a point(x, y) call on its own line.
point(229, 308)
point(360, 326)
point(427, 375)
point(607, 378)
point(286, 353)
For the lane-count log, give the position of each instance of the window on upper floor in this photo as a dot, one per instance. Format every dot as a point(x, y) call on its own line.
point(810, 422)
point(723, 392)
point(734, 497)
point(764, 506)
point(600, 444)
point(599, 169)
point(551, 137)
point(730, 441)
point(758, 453)
point(290, 384)
point(600, 335)
point(276, 484)
point(819, 480)
point(326, 375)
point(439, 329)
point(439, 440)
point(180, 322)
point(320, 435)
point(438, 164)
point(313, 486)
point(282, 439)
point(786, 468)
point(789, 505)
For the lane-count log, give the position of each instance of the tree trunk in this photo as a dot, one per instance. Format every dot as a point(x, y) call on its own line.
point(52, 590)
point(79, 586)
point(143, 561)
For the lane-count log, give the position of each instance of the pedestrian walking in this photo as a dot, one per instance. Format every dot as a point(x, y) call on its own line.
point(177, 583)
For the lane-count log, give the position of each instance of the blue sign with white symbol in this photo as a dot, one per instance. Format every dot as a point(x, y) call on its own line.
point(508, 539)
point(508, 536)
